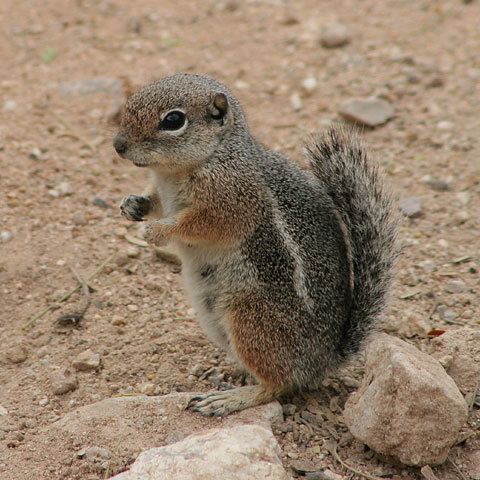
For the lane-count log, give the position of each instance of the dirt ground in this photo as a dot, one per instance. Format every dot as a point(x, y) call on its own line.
point(65, 65)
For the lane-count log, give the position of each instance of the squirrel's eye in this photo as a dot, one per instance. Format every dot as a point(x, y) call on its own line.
point(172, 120)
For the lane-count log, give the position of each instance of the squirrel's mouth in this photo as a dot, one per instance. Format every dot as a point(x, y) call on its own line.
point(140, 163)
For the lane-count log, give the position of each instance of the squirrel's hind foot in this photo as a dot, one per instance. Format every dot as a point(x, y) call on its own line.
point(222, 403)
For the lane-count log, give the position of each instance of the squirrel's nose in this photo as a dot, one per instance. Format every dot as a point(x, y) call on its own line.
point(120, 144)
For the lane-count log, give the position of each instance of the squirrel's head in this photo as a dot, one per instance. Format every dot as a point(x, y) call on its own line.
point(175, 124)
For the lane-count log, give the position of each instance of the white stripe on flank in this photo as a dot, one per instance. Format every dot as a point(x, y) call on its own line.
point(299, 280)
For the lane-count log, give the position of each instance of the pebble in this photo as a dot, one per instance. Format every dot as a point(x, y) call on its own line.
point(370, 111)
point(53, 193)
point(37, 155)
point(296, 101)
point(335, 35)
point(289, 409)
point(94, 454)
point(79, 219)
point(444, 125)
point(121, 260)
point(411, 207)
point(5, 236)
point(148, 389)
point(86, 360)
point(118, 321)
point(446, 314)
point(133, 252)
point(309, 84)
point(17, 354)
point(132, 307)
point(462, 216)
point(455, 286)
point(9, 105)
point(43, 402)
point(197, 370)
point(100, 202)
point(443, 243)
point(3, 411)
point(463, 197)
point(440, 185)
point(64, 381)
point(428, 266)
point(64, 189)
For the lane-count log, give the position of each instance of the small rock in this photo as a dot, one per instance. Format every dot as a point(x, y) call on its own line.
point(446, 314)
point(9, 105)
point(79, 219)
point(370, 112)
point(325, 475)
point(463, 197)
point(455, 286)
point(242, 452)
point(428, 266)
point(53, 193)
point(444, 125)
point(64, 189)
point(132, 307)
point(5, 236)
point(197, 370)
point(3, 411)
point(121, 260)
point(100, 202)
point(309, 84)
point(462, 216)
point(133, 252)
point(118, 320)
point(440, 185)
point(37, 155)
point(407, 407)
point(148, 389)
point(111, 86)
point(43, 402)
point(443, 243)
point(64, 381)
point(289, 409)
point(411, 207)
point(17, 354)
point(335, 35)
point(296, 101)
point(94, 454)
point(86, 360)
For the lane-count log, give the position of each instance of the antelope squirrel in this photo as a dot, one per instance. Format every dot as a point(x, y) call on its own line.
point(288, 270)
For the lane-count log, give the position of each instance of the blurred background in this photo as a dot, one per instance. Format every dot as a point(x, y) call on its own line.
point(407, 71)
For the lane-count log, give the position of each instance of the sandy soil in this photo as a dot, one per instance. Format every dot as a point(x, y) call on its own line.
point(61, 184)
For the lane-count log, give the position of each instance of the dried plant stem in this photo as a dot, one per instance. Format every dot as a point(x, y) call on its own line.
point(65, 297)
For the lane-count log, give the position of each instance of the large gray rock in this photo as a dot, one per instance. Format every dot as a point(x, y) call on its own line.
point(407, 406)
point(120, 428)
point(242, 452)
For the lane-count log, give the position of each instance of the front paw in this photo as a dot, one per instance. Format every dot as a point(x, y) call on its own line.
point(135, 207)
point(155, 234)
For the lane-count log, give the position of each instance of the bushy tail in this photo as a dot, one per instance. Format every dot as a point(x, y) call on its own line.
point(366, 209)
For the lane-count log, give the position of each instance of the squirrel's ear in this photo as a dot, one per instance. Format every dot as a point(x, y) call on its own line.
point(219, 106)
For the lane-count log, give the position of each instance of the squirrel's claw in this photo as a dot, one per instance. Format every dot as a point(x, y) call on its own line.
point(221, 403)
point(135, 207)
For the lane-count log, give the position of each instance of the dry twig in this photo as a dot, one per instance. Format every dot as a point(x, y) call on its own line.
point(65, 297)
point(332, 448)
point(457, 469)
point(427, 473)
point(73, 318)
